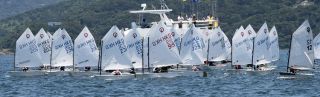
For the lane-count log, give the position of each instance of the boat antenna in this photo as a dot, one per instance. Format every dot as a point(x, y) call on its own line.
point(163, 4)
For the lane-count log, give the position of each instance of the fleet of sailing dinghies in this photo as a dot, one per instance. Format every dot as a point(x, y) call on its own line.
point(241, 51)
point(261, 54)
point(44, 45)
point(27, 51)
point(161, 46)
point(162, 49)
point(301, 54)
point(62, 49)
point(114, 51)
point(86, 53)
point(192, 47)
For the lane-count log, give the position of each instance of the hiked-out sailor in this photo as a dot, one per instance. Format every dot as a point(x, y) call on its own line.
point(88, 68)
point(25, 69)
point(237, 67)
point(250, 65)
point(156, 70)
point(62, 68)
point(292, 70)
point(117, 72)
point(132, 71)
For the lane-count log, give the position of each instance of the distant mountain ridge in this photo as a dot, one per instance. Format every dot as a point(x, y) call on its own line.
point(13, 7)
point(100, 15)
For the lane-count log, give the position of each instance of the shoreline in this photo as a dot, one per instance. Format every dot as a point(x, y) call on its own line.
point(4, 52)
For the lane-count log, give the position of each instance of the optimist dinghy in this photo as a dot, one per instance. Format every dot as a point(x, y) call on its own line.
point(26, 59)
point(301, 53)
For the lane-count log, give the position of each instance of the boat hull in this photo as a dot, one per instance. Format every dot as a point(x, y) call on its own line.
point(27, 73)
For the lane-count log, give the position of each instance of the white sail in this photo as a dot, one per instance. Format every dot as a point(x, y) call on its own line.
point(205, 34)
point(227, 45)
point(27, 52)
point(62, 49)
point(252, 34)
point(162, 49)
point(44, 46)
point(261, 54)
point(274, 45)
point(301, 50)
point(217, 49)
point(316, 43)
point(192, 47)
point(49, 34)
point(241, 51)
point(134, 40)
point(177, 37)
point(86, 52)
point(114, 51)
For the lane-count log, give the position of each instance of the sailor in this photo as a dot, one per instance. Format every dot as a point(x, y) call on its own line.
point(87, 68)
point(238, 67)
point(194, 19)
point(117, 72)
point(292, 70)
point(224, 61)
point(250, 65)
point(144, 23)
point(25, 69)
point(210, 20)
point(62, 68)
point(132, 71)
point(156, 70)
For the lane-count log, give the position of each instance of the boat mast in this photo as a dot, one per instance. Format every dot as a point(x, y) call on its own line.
point(231, 52)
point(253, 40)
point(148, 55)
point(289, 54)
point(73, 57)
point(14, 62)
point(142, 58)
point(100, 58)
point(208, 52)
point(51, 54)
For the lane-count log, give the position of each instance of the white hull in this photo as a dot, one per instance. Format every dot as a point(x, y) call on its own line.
point(27, 73)
point(114, 77)
point(84, 73)
point(58, 72)
point(297, 76)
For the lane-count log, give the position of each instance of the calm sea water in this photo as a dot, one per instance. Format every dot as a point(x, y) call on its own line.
point(218, 83)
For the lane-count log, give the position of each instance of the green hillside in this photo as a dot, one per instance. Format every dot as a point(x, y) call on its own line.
point(100, 15)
